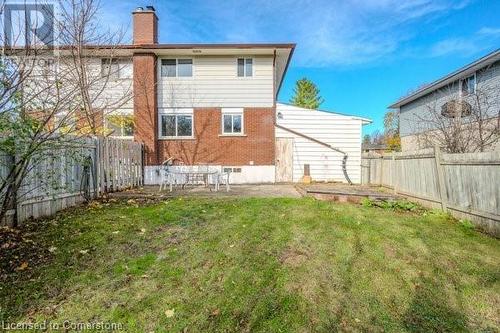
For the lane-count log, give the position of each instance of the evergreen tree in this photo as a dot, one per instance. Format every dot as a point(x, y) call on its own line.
point(306, 94)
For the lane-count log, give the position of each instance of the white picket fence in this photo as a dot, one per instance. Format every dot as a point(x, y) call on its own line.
point(466, 185)
point(58, 179)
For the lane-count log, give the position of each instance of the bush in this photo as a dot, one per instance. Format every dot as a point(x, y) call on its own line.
point(401, 205)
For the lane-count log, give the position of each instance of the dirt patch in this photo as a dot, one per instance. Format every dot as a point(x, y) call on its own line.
point(294, 257)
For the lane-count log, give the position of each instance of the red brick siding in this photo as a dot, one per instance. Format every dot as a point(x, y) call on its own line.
point(145, 105)
point(208, 147)
point(145, 28)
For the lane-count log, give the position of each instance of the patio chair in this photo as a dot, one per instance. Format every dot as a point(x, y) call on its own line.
point(222, 177)
point(169, 176)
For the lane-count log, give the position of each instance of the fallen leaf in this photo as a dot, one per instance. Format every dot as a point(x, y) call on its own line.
point(215, 312)
point(84, 251)
point(23, 266)
point(115, 232)
point(143, 230)
point(169, 313)
point(52, 249)
point(232, 245)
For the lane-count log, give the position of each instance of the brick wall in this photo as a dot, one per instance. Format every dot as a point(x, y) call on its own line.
point(145, 27)
point(209, 147)
point(145, 105)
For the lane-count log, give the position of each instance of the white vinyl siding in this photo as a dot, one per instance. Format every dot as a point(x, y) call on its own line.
point(215, 83)
point(339, 131)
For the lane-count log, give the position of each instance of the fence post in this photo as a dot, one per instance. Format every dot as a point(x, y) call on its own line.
point(440, 176)
point(381, 172)
point(393, 173)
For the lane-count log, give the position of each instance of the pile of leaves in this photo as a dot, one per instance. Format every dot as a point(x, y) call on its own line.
point(19, 253)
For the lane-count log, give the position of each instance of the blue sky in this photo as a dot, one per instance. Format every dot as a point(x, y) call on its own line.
point(363, 54)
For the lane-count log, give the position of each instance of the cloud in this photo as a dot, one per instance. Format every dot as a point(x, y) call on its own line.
point(489, 31)
point(327, 32)
point(482, 40)
point(452, 46)
point(339, 33)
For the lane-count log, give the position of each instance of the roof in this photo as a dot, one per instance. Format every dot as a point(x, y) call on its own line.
point(373, 146)
point(365, 121)
point(452, 77)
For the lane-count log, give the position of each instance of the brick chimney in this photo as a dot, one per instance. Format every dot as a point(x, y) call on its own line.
point(145, 25)
point(145, 83)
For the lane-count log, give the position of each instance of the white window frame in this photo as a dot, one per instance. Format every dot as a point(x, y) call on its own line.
point(461, 82)
point(233, 112)
point(244, 67)
point(121, 69)
point(175, 112)
point(177, 68)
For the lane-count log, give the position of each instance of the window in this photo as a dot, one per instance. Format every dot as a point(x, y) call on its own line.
point(177, 67)
point(120, 125)
point(232, 123)
point(468, 85)
point(110, 68)
point(231, 170)
point(176, 125)
point(245, 67)
point(115, 69)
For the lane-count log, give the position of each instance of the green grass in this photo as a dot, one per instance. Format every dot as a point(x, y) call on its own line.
point(260, 265)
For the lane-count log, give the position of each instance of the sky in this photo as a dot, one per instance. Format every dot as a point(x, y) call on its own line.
point(362, 54)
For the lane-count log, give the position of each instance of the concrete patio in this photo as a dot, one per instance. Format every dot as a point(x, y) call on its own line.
point(253, 190)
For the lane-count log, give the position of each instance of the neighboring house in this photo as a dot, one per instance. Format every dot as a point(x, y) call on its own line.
point(474, 87)
point(374, 148)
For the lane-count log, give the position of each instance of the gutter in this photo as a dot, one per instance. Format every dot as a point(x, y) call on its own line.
point(324, 144)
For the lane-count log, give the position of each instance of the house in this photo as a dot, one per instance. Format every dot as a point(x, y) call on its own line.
point(216, 104)
point(462, 97)
point(374, 148)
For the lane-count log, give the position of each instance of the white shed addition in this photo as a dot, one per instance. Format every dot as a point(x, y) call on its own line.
point(303, 136)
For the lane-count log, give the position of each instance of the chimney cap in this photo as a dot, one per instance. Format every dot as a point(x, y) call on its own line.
point(139, 9)
point(151, 8)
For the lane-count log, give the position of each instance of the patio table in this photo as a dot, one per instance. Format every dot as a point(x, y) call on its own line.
point(192, 177)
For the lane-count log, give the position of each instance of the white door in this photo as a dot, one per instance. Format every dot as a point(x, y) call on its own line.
point(284, 160)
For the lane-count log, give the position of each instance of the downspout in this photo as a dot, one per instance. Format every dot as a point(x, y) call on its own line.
point(344, 159)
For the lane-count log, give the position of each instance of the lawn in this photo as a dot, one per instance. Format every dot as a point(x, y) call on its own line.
point(254, 265)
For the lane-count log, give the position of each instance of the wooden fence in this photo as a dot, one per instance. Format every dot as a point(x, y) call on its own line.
point(62, 178)
point(466, 185)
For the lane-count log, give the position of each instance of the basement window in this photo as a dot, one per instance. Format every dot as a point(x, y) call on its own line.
point(177, 67)
point(245, 67)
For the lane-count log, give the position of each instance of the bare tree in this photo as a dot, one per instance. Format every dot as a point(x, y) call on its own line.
point(460, 121)
point(47, 95)
point(97, 70)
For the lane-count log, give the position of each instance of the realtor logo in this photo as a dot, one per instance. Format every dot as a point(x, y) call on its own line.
point(28, 24)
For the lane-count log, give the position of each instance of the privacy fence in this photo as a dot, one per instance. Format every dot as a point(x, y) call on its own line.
point(466, 185)
point(63, 177)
